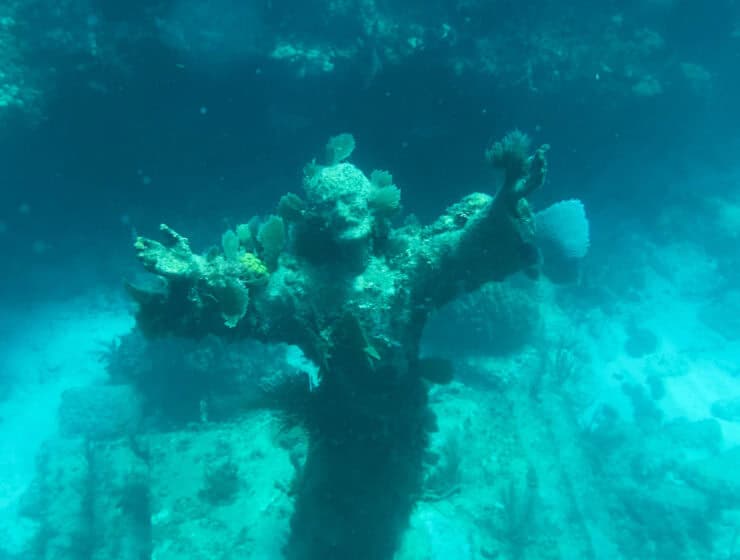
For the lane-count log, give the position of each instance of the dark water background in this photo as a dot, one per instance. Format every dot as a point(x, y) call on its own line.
point(108, 123)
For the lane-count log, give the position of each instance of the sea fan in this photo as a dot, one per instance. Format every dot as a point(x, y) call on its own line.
point(564, 225)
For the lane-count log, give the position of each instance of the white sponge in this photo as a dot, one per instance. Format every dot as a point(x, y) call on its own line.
point(565, 226)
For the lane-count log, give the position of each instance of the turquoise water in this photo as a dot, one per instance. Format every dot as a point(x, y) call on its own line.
point(369, 280)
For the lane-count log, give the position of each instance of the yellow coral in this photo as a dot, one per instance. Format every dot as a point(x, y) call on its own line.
point(254, 270)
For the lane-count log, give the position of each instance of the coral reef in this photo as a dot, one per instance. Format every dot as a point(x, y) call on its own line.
point(543, 48)
point(499, 318)
point(222, 491)
point(18, 88)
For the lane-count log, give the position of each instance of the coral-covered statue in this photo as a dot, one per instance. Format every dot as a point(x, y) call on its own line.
point(330, 273)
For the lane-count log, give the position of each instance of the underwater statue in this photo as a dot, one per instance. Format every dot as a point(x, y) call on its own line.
point(337, 273)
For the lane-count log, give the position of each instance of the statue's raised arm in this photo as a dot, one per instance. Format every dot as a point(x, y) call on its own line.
point(333, 253)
